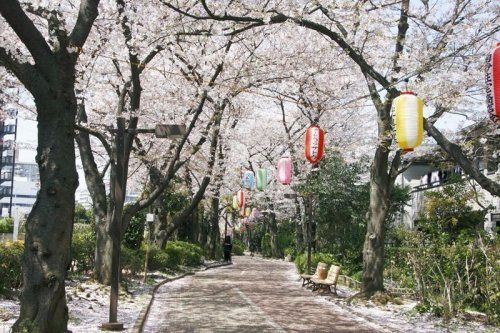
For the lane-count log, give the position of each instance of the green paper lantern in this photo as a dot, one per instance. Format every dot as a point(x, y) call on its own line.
point(261, 179)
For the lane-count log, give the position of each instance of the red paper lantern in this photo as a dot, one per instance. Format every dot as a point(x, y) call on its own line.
point(315, 138)
point(493, 84)
point(241, 199)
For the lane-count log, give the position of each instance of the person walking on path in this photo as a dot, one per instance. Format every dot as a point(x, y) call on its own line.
point(227, 248)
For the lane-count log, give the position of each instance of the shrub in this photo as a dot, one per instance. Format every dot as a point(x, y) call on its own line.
point(238, 247)
point(158, 259)
point(291, 251)
point(10, 265)
point(183, 253)
point(83, 247)
point(132, 260)
point(83, 215)
point(134, 235)
point(301, 261)
point(6, 225)
point(175, 254)
point(265, 246)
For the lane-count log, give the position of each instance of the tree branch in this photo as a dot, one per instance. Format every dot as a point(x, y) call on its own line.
point(25, 72)
point(86, 16)
point(98, 135)
point(455, 152)
point(30, 36)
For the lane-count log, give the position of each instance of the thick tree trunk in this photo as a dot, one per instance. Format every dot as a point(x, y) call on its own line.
point(273, 231)
point(195, 226)
point(213, 238)
point(160, 229)
point(46, 256)
point(102, 269)
point(373, 250)
point(381, 182)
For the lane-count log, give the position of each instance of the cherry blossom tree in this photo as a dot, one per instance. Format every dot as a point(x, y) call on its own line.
point(389, 42)
point(43, 56)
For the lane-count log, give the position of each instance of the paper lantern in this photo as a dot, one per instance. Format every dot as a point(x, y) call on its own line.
point(493, 84)
point(285, 170)
point(248, 212)
point(255, 213)
point(315, 138)
point(409, 120)
point(235, 202)
point(248, 180)
point(261, 179)
point(241, 198)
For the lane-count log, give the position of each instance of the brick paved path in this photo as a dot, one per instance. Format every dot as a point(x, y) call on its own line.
point(252, 295)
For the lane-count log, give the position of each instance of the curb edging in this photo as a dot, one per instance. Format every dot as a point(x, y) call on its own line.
point(143, 315)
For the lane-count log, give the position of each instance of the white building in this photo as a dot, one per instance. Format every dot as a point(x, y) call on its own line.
point(422, 176)
point(26, 186)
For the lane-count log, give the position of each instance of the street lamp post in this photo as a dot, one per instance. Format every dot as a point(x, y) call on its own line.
point(119, 191)
point(149, 221)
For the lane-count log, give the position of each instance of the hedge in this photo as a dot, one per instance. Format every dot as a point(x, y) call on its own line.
point(10, 265)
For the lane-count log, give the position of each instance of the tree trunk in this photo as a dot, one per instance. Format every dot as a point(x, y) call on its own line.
point(213, 232)
point(102, 267)
point(373, 249)
point(97, 190)
point(160, 229)
point(299, 234)
point(273, 230)
point(49, 227)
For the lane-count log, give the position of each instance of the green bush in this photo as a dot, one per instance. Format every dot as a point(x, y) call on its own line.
point(301, 261)
point(132, 260)
point(358, 276)
point(175, 254)
point(83, 215)
point(291, 251)
point(158, 259)
point(10, 265)
point(449, 261)
point(6, 225)
point(265, 246)
point(183, 253)
point(238, 247)
point(83, 247)
point(134, 235)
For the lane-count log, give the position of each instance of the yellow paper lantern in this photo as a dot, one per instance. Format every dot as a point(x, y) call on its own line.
point(236, 205)
point(409, 119)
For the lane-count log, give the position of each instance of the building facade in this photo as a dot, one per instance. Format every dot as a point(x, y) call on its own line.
point(423, 176)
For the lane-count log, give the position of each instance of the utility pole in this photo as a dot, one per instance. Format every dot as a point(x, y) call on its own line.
point(13, 168)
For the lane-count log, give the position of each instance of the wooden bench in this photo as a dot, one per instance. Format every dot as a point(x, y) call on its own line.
point(306, 278)
point(329, 282)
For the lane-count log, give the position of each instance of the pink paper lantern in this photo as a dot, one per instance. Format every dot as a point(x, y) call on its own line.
point(255, 213)
point(285, 170)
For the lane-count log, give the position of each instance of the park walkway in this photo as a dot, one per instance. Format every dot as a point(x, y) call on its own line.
point(252, 295)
